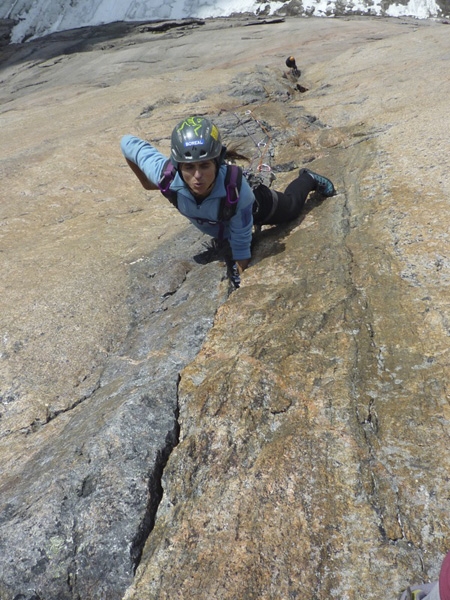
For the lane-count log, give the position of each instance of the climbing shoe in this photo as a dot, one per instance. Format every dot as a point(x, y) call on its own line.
point(324, 186)
point(417, 592)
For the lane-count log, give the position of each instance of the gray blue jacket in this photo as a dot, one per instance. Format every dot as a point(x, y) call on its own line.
point(238, 230)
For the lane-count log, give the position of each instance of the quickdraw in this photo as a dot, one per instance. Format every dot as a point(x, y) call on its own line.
point(260, 170)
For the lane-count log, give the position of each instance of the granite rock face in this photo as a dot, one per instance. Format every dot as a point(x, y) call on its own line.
point(162, 438)
point(6, 26)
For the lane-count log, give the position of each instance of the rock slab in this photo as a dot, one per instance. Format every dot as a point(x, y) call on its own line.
point(161, 438)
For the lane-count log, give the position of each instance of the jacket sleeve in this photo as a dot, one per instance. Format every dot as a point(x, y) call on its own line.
point(241, 224)
point(145, 156)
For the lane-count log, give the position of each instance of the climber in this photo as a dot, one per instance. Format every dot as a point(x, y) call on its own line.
point(198, 186)
point(438, 590)
point(290, 62)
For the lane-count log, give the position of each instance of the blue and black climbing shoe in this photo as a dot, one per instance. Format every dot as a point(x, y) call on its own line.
point(324, 186)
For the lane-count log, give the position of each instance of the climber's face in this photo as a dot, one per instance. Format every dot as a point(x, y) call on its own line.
point(199, 177)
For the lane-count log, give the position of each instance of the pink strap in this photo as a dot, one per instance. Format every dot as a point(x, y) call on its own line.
point(444, 579)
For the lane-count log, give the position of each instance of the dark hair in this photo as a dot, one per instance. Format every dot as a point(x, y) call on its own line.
point(232, 154)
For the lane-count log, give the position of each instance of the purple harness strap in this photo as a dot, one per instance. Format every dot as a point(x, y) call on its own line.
point(228, 204)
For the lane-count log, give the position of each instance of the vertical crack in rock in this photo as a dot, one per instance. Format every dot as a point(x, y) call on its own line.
point(90, 521)
point(155, 491)
point(366, 353)
point(371, 380)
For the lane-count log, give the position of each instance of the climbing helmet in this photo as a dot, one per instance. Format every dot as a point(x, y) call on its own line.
point(195, 139)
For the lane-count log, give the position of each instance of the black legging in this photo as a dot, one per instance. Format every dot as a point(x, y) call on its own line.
point(272, 208)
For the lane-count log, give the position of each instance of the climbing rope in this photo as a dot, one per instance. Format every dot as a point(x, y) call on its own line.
point(260, 170)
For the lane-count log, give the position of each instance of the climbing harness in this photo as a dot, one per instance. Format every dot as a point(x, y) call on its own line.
point(228, 204)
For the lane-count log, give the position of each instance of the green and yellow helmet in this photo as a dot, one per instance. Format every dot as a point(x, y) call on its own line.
point(195, 139)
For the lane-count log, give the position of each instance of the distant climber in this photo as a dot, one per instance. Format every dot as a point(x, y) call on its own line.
point(195, 181)
point(291, 64)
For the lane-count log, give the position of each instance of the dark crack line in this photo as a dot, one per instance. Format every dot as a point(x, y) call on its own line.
point(368, 422)
point(155, 490)
point(53, 414)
